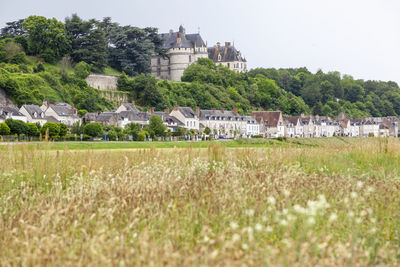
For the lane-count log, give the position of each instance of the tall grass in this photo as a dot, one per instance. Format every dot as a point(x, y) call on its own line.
point(332, 204)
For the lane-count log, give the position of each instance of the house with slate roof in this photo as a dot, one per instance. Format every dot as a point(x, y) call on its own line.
point(10, 112)
point(34, 114)
point(127, 107)
point(227, 56)
point(273, 122)
point(62, 112)
point(226, 123)
point(182, 50)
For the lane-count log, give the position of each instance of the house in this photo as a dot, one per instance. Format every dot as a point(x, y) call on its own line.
point(62, 112)
point(226, 123)
point(172, 123)
point(10, 112)
point(182, 50)
point(273, 122)
point(308, 126)
point(34, 114)
point(187, 116)
point(107, 118)
point(127, 107)
point(369, 128)
point(253, 128)
point(227, 56)
point(129, 116)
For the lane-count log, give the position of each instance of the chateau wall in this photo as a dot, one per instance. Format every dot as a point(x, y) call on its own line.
point(102, 82)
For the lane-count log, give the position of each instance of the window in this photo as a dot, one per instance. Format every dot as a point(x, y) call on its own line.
point(158, 61)
point(229, 65)
point(158, 71)
point(190, 58)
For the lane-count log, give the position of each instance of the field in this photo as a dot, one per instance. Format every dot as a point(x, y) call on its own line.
point(313, 202)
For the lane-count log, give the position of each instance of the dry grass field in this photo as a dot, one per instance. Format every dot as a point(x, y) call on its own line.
point(327, 204)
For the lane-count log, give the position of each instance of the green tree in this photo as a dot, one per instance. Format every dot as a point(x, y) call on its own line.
point(82, 113)
point(82, 70)
point(133, 130)
point(32, 129)
point(156, 127)
point(46, 38)
point(207, 131)
point(63, 130)
point(53, 129)
point(93, 129)
point(4, 129)
point(17, 127)
point(88, 41)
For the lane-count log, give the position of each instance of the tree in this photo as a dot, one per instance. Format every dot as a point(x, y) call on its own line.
point(131, 48)
point(4, 129)
point(17, 127)
point(88, 41)
point(46, 38)
point(93, 129)
point(63, 130)
point(32, 129)
point(52, 128)
point(77, 128)
point(207, 131)
point(156, 127)
point(82, 70)
point(82, 112)
point(133, 130)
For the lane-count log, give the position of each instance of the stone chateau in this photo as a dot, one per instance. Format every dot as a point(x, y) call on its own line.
point(183, 49)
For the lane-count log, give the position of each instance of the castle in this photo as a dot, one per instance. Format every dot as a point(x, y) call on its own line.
point(184, 49)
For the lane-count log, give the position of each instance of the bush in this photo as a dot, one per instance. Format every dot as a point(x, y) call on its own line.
point(52, 128)
point(4, 129)
point(93, 129)
point(141, 136)
point(82, 70)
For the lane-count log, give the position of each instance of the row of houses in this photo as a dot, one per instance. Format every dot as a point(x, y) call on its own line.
point(222, 123)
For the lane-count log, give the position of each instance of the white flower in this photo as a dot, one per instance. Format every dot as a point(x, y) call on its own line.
point(286, 193)
point(264, 218)
point(283, 222)
point(358, 220)
point(353, 195)
point(370, 189)
point(284, 211)
point(372, 230)
point(258, 227)
point(236, 238)
point(250, 212)
point(250, 229)
point(351, 214)
point(234, 225)
point(271, 200)
point(311, 221)
point(373, 220)
point(333, 217)
point(206, 239)
point(269, 229)
point(360, 184)
point(363, 213)
point(245, 247)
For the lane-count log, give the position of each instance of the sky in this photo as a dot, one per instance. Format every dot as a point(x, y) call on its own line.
point(356, 37)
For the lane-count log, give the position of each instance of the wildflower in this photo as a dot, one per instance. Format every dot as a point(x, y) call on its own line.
point(271, 200)
point(370, 189)
point(363, 213)
point(353, 195)
point(250, 212)
point(373, 220)
point(358, 220)
point(249, 229)
point(351, 214)
point(234, 225)
point(283, 222)
point(258, 227)
point(245, 247)
point(333, 217)
point(360, 184)
point(346, 200)
point(264, 218)
point(206, 239)
point(311, 221)
point(236, 238)
point(372, 230)
point(268, 229)
point(286, 193)
point(284, 211)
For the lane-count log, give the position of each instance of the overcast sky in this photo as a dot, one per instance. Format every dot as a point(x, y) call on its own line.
point(356, 37)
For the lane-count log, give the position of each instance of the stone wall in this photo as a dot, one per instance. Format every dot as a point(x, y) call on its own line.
point(103, 82)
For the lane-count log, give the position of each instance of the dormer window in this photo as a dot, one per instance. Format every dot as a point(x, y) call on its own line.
point(219, 57)
point(35, 114)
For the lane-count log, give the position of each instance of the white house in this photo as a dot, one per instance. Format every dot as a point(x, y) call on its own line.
point(62, 112)
point(33, 114)
point(226, 123)
point(187, 116)
point(8, 112)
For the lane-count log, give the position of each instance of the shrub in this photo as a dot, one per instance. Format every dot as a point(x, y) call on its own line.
point(4, 129)
point(52, 128)
point(93, 129)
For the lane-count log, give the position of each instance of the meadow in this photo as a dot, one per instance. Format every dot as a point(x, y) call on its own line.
point(314, 202)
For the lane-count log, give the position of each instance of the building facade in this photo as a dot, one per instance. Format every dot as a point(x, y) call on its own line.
point(227, 56)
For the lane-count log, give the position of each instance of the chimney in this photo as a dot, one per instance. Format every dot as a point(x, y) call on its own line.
point(218, 45)
point(7, 103)
point(222, 110)
point(73, 109)
point(151, 111)
point(227, 44)
point(198, 112)
point(167, 110)
point(171, 32)
point(178, 39)
point(176, 108)
point(235, 111)
point(133, 102)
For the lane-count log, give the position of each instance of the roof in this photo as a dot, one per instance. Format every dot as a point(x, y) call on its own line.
point(51, 119)
point(187, 112)
point(106, 116)
point(271, 118)
point(134, 116)
point(31, 109)
point(181, 40)
point(167, 118)
point(63, 109)
point(90, 116)
point(7, 110)
point(292, 119)
point(130, 107)
point(227, 53)
point(206, 114)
